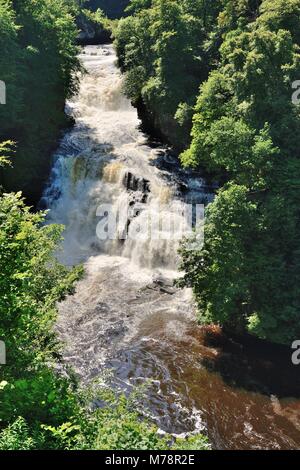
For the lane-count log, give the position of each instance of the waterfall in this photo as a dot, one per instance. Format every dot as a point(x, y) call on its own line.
point(104, 164)
point(123, 203)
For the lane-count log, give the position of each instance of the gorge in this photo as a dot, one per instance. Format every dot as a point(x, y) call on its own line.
point(126, 315)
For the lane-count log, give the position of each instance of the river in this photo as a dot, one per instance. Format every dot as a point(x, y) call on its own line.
point(126, 314)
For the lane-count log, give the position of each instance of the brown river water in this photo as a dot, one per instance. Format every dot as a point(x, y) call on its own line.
point(126, 315)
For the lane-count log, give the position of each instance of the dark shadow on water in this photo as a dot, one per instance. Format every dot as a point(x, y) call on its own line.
point(254, 365)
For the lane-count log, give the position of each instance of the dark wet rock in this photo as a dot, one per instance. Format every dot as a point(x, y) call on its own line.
point(139, 189)
point(135, 183)
point(163, 281)
point(163, 285)
point(168, 290)
point(116, 330)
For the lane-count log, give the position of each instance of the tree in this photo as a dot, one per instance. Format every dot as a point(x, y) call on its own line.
point(163, 50)
point(246, 125)
point(38, 65)
point(41, 408)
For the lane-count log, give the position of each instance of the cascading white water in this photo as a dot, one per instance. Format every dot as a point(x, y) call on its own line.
point(105, 160)
point(93, 168)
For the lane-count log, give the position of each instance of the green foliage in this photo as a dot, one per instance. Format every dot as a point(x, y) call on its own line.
point(163, 50)
point(40, 396)
point(193, 443)
point(138, 5)
point(102, 25)
point(31, 281)
point(245, 130)
point(41, 408)
point(97, 17)
point(37, 64)
point(17, 437)
point(116, 425)
point(246, 276)
point(5, 150)
point(113, 426)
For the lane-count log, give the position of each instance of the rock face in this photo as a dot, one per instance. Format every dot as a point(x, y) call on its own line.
point(91, 33)
point(162, 126)
point(139, 189)
point(134, 183)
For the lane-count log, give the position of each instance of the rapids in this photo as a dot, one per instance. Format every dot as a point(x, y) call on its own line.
point(126, 314)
